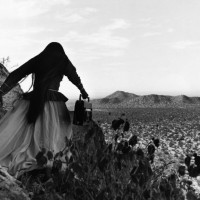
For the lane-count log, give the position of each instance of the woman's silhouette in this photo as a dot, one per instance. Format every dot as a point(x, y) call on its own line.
point(40, 119)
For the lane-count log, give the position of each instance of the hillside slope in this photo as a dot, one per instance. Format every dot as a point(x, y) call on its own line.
point(121, 99)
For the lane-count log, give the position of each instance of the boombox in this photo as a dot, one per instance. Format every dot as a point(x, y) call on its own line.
point(82, 112)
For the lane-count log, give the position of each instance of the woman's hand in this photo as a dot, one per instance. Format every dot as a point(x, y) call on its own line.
point(84, 93)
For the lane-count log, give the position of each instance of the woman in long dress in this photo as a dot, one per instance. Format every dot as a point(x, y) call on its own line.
point(40, 119)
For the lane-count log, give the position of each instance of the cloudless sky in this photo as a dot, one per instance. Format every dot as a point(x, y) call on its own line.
point(138, 46)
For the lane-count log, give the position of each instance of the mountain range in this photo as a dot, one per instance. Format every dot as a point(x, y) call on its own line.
point(121, 99)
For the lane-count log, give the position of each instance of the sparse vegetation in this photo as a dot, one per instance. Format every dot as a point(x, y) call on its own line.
point(147, 163)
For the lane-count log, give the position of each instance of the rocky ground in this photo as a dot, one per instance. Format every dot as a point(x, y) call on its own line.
point(177, 129)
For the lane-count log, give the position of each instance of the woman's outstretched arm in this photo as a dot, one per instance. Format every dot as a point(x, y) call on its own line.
point(70, 72)
point(15, 76)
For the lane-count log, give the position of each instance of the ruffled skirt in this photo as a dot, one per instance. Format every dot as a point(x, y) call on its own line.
point(20, 142)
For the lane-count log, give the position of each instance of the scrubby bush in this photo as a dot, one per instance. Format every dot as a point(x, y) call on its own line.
point(91, 169)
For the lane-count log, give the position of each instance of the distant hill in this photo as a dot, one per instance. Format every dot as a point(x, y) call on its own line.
point(121, 99)
point(118, 97)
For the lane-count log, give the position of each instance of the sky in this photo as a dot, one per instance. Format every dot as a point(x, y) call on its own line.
point(138, 46)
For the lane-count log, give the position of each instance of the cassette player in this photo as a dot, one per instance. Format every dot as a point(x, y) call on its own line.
point(82, 112)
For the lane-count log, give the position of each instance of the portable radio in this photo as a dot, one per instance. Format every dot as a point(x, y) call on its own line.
point(82, 112)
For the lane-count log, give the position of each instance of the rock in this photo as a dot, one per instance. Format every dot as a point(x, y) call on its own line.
point(14, 94)
point(90, 142)
point(10, 187)
point(90, 133)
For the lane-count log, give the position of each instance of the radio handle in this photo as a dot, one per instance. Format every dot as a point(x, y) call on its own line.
point(81, 97)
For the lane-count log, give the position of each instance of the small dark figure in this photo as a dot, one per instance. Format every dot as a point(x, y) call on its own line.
point(126, 126)
point(187, 160)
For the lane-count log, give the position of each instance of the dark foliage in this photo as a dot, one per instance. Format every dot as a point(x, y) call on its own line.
point(116, 123)
point(181, 170)
point(133, 140)
point(126, 126)
point(41, 159)
point(187, 160)
point(140, 153)
point(151, 149)
point(100, 171)
point(196, 159)
point(156, 142)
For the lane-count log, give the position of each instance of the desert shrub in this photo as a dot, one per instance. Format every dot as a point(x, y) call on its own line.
point(91, 169)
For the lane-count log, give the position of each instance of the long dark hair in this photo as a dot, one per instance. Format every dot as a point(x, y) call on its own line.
point(49, 64)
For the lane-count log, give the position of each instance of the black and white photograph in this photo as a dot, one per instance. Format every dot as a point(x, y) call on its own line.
point(100, 100)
